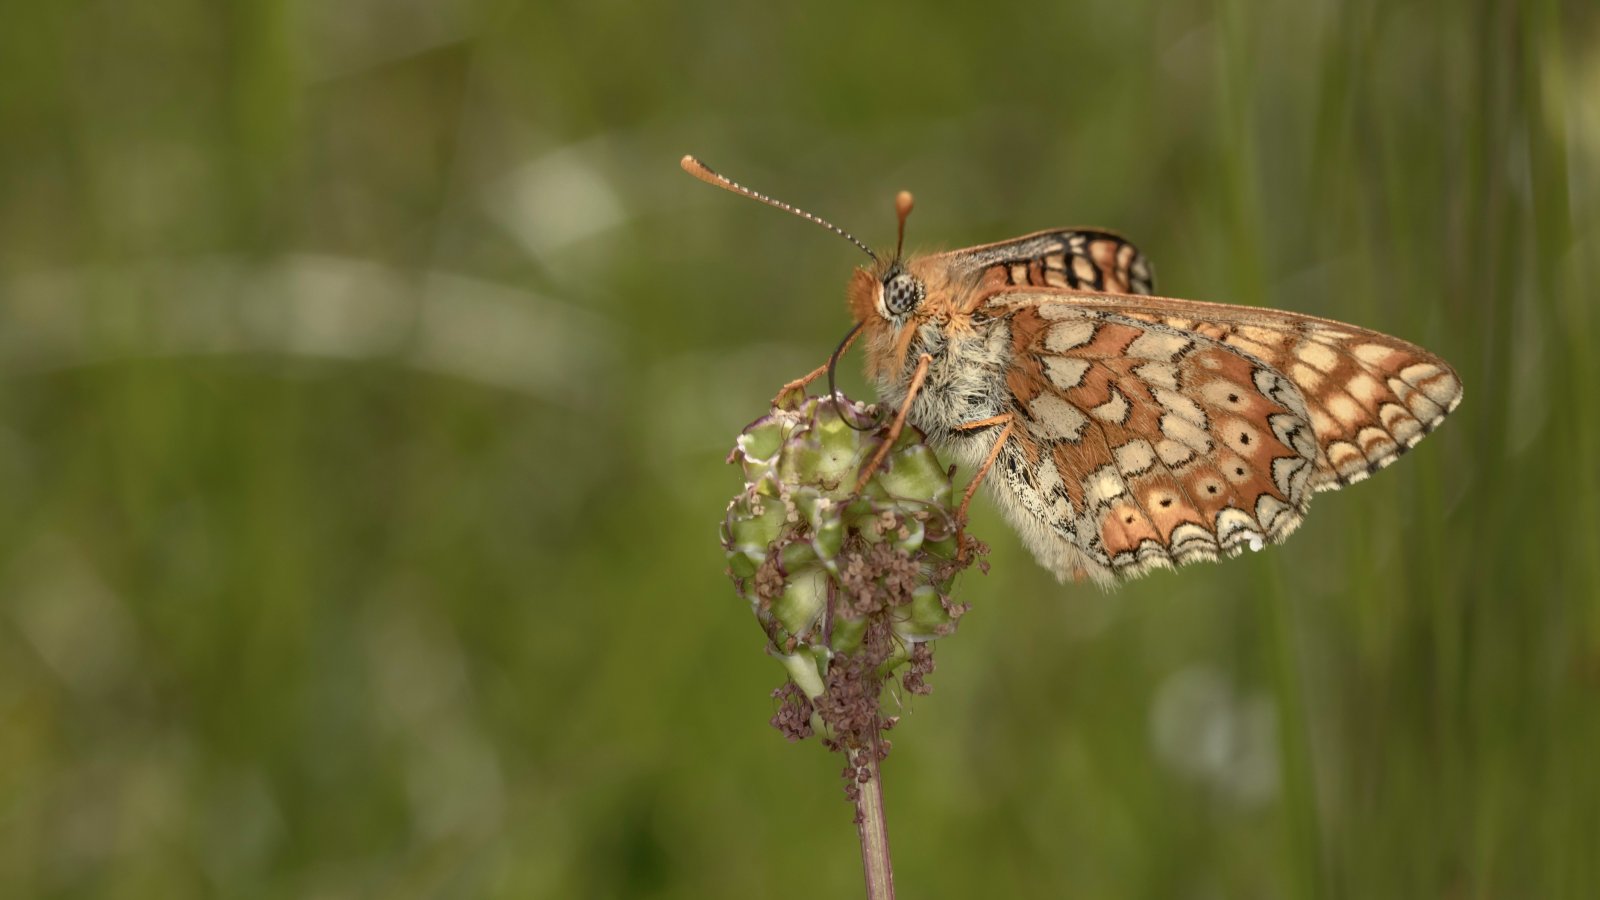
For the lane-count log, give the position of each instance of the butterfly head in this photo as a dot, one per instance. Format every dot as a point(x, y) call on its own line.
point(888, 290)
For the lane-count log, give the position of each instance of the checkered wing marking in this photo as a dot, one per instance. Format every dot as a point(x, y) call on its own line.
point(1143, 445)
point(1078, 258)
point(1370, 397)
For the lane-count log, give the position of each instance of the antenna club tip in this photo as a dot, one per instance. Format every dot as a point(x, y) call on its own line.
point(903, 202)
point(689, 163)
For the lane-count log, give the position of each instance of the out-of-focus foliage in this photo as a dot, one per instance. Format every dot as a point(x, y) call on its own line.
point(367, 368)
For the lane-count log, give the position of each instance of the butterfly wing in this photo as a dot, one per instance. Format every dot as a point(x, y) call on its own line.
point(1088, 259)
point(1156, 432)
point(1371, 397)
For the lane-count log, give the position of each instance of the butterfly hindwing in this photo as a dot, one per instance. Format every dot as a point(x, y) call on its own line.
point(1370, 396)
point(1088, 259)
point(1142, 445)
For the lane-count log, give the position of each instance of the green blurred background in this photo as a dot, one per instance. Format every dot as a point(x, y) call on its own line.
point(368, 369)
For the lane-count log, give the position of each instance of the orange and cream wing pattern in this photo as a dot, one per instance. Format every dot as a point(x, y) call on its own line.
point(1087, 259)
point(1154, 434)
point(1371, 397)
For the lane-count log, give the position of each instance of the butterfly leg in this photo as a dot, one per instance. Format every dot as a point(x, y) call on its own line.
point(799, 384)
point(1010, 422)
point(917, 378)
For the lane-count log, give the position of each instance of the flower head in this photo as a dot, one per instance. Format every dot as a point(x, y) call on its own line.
point(849, 586)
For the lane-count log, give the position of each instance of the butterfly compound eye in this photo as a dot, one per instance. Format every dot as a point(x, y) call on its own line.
point(901, 294)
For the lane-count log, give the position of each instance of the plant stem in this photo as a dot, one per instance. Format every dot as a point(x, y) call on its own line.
point(873, 827)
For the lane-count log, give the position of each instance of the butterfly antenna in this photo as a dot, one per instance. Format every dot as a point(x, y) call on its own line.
point(833, 363)
point(903, 202)
point(703, 172)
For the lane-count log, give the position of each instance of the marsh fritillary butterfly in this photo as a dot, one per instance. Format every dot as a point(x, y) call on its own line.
point(1122, 431)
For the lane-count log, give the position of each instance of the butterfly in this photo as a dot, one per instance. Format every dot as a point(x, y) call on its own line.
point(1122, 431)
